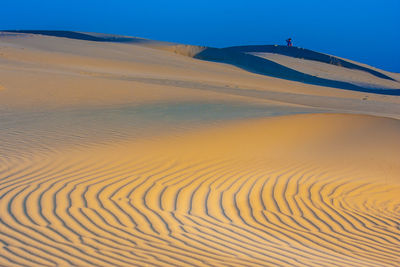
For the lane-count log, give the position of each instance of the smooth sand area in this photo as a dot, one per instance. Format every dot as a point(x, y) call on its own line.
point(134, 154)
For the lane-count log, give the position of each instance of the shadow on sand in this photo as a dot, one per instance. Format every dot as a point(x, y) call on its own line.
point(239, 57)
point(84, 36)
point(303, 53)
point(267, 67)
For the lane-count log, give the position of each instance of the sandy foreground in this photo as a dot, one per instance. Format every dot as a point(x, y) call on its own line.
point(133, 154)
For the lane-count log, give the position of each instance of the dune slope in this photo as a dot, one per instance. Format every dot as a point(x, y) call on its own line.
point(264, 66)
point(302, 53)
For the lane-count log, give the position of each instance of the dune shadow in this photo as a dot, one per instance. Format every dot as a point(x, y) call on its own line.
point(303, 53)
point(238, 56)
point(267, 67)
point(83, 36)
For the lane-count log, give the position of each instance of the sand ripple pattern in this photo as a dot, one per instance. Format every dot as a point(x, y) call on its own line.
point(77, 211)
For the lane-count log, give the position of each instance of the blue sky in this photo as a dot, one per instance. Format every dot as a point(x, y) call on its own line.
point(365, 31)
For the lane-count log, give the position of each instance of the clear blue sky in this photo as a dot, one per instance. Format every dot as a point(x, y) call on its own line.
point(367, 31)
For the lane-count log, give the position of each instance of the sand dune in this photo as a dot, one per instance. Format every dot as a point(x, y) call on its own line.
point(86, 36)
point(242, 56)
point(332, 72)
point(264, 66)
point(128, 154)
point(297, 52)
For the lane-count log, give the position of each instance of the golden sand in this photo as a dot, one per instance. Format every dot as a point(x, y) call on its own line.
point(124, 155)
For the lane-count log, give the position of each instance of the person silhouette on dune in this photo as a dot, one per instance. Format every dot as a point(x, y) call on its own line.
point(289, 42)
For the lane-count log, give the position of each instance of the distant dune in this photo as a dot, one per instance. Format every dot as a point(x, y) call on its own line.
point(96, 37)
point(120, 151)
point(267, 67)
point(242, 56)
point(302, 53)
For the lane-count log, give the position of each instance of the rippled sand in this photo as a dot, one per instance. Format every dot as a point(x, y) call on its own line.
point(122, 155)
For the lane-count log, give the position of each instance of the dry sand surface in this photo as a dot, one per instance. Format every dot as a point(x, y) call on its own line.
point(136, 154)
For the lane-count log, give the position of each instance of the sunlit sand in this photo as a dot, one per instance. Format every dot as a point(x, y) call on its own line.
point(140, 153)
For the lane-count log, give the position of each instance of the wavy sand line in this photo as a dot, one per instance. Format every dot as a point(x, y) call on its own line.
point(111, 205)
point(101, 224)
